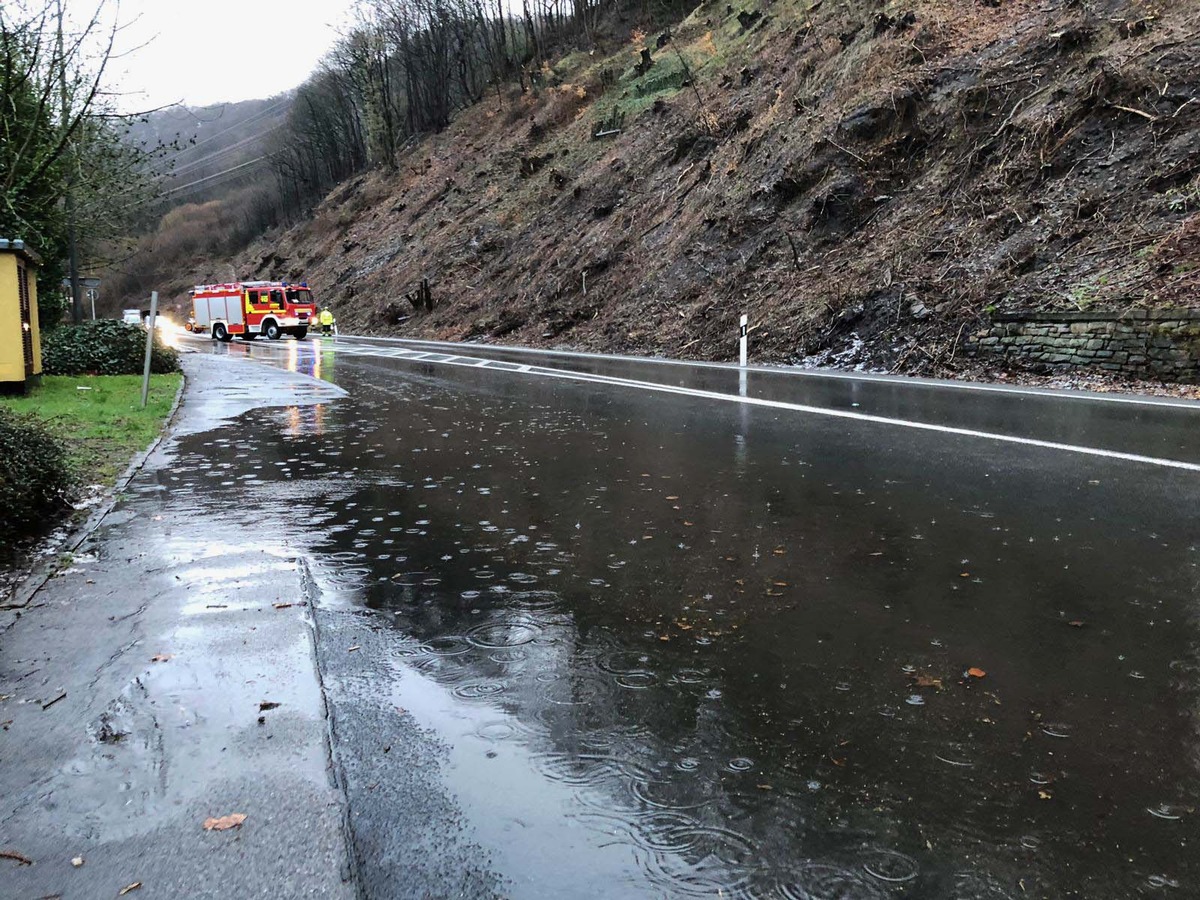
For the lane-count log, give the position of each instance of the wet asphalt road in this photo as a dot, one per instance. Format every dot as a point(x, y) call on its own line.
point(622, 642)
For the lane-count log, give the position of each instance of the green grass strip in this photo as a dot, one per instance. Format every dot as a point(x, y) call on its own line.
point(100, 418)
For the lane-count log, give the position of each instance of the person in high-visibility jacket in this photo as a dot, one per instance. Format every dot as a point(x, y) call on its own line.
point(326, 320)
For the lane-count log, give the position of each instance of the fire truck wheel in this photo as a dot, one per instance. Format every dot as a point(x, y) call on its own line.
point(247, 336)
point(301, 333)
point(221, 333)
point(273, 331)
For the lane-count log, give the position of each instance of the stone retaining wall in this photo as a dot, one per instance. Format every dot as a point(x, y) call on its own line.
point(1161, 344)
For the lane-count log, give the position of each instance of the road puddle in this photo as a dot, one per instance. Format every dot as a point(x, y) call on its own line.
point(676, 648)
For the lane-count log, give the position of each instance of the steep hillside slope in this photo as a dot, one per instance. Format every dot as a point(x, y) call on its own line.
point(878, 175)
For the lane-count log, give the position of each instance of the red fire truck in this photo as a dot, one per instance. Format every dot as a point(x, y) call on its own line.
point(250, 308)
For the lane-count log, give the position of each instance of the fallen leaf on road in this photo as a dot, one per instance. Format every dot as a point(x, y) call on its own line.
point(924, 680)
point(1044, 795)
point(282, 605)
point(976, 673)
point(162, 657)
point(129, 887)
point(77, 861)
point(224, 823)
point(267, 704)
point(1077, 623)
point(19, 858)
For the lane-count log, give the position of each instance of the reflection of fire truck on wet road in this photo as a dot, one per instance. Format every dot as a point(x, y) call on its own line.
point(250, 308)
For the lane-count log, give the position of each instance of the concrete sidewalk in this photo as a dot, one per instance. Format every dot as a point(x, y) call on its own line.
point(165, 677)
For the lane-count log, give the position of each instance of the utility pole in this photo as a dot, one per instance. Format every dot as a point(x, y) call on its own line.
point(72, 242)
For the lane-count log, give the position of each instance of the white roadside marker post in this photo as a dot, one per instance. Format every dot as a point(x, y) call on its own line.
point(743, 335)
point(149, 346)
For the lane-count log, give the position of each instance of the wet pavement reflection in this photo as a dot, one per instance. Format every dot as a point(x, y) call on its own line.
point(674, 647)
point(1147, 426)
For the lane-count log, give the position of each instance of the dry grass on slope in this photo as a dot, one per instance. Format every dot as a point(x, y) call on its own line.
point(889, 169)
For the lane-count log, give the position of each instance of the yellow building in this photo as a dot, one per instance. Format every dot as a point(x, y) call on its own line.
point(20, 339)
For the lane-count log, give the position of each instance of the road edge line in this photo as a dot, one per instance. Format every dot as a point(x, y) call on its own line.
point(656, 387)
point(822, 373)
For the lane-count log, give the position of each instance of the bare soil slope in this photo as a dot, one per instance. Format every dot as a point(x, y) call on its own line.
point(851, 173)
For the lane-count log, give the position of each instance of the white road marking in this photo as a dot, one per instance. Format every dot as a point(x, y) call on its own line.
point(566, 375)
point(798, 372)
point(819, 411)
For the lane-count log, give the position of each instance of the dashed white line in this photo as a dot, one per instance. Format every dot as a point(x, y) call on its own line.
point(821, 411)
point(566, 375)
point(829, 375)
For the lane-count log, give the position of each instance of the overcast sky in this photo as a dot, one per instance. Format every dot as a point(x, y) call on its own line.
point(201, 52)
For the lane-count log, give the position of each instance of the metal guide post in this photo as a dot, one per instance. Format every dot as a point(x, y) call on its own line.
point(149, 346)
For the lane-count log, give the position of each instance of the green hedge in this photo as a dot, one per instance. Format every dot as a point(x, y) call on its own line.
point(103, 347)
point(35, 482)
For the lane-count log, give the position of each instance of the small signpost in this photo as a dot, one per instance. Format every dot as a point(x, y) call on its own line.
point(91, 285)
point(742, 336)
point(149, 346)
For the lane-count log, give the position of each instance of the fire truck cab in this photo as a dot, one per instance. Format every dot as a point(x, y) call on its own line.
point(247, 309)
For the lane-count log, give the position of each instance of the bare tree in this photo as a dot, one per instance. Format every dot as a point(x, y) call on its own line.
point(59, 137)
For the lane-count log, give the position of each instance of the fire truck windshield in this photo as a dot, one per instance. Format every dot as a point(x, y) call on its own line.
point(299, 295)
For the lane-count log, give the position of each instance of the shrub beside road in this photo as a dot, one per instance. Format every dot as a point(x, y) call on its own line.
point(103, 347)
point(34, 477)
point(81, 425)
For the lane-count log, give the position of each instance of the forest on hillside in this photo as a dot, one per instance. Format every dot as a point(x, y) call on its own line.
point(402, 71)
point(870, 180)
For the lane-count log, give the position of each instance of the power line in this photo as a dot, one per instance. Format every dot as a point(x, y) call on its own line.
point(210, 189)
point(249, 120)
point(207, 178)
point(196, 163)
